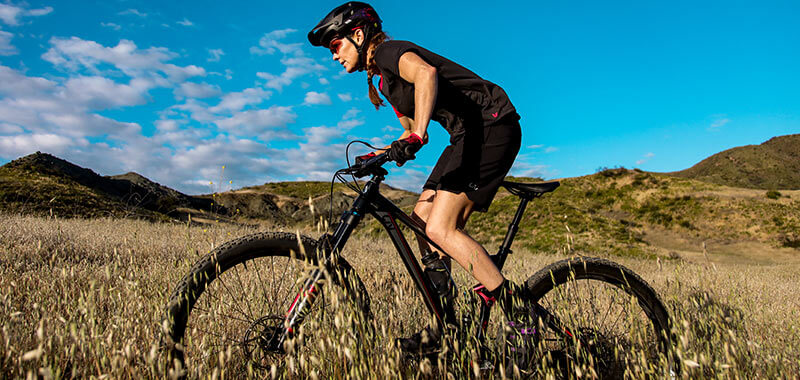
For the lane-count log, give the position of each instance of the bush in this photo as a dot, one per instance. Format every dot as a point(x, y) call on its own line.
point(772, 194)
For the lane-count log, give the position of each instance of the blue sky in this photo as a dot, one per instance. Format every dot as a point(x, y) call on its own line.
point(176, 90)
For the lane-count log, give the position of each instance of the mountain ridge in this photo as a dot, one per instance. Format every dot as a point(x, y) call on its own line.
point(771, 165)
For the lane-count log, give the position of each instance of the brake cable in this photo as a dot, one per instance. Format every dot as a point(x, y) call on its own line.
point(338, 175)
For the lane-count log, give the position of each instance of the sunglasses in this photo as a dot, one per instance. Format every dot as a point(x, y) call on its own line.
point(335, 45)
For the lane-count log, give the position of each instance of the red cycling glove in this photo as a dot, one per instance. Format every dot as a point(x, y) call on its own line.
point(405, 149)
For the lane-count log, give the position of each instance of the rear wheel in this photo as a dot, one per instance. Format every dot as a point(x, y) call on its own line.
point(227, 314)
point(601, 320)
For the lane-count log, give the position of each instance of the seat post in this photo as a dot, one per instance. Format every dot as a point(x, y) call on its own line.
point(505, 248)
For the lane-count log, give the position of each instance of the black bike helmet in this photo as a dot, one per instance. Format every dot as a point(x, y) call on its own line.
point(342, 21)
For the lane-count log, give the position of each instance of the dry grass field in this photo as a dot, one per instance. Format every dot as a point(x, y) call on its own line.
point(85, 299)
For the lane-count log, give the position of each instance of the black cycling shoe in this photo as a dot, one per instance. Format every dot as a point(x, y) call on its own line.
point(423, 342)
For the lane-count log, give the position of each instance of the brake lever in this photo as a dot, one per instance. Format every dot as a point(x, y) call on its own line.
point(371, 166)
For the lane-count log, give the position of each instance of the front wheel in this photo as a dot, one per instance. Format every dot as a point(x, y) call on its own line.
point(597, 318)
point(228, 312)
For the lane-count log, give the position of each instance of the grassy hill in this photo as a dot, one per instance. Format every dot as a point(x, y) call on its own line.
point(775, 164)
point(614, 212)
point(43, 184)
point(630, 212)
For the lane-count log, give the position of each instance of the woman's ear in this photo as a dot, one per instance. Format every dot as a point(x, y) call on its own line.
point(358, 36)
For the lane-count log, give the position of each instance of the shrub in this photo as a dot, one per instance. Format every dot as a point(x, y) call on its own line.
point(772, 194)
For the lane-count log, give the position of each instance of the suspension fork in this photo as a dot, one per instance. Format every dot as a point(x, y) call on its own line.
point(330, 247)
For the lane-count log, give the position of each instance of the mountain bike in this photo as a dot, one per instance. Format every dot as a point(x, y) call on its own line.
point(248, 299)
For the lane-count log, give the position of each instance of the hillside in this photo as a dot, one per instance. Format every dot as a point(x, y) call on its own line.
point(631, 212)
point(775, 164)
point(614, 212)
point(43, 184)
point(290, 202)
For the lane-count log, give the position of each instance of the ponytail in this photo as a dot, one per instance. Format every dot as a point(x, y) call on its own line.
point(372, 69)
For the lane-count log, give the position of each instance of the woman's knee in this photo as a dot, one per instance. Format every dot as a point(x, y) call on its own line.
point(437, 232)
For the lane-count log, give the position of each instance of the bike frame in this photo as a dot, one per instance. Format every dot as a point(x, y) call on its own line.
point(370, 201)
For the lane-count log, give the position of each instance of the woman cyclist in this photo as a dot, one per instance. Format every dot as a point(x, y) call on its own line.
point(484, 140)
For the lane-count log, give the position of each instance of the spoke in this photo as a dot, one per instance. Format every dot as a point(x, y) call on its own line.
point(208, 311)
point(283, 277)
point(610, 304)
point(243, 291)
point(273, 282)
point(224, 337)
point(239, 309)
point(264, 299)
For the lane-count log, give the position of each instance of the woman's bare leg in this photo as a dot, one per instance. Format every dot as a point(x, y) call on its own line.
point(447, 213)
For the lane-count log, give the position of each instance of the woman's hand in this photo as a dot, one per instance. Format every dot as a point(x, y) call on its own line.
point(405, 149)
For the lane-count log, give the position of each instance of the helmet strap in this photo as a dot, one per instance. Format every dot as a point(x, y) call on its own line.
point(361, 49)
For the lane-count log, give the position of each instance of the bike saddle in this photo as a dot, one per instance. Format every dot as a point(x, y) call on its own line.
point(530, 190)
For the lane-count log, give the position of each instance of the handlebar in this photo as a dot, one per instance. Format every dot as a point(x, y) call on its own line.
point(372, 166)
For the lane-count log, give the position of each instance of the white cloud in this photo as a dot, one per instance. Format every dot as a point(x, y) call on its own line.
point(253, 122)
point(548, 149)
point(6, 48)
point(719, 123)
point(44, 106)
point(645, 158)
point(525, 166)
point(351, 113)
point(322, 135)
point(9, 129)
point(525, 169)
point(111, 25)
point(132, 11)
point(409, 177)
point(168, 125)
point(295, 67)
point(297, 64)
point(185, 22)
point(391, 128)
point(345, 97)
point(324, 81)
point(19, 145)
point(269, 43)
point(39, 11)
point(197, 90)
point(13, 83)
point(215, 55)
point(317, 98)
point(235, 101)
point(75, 53)
point(320, 152)
point(100, 93)
point(11, 14)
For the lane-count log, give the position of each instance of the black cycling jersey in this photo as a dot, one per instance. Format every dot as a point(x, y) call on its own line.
point(464, 99)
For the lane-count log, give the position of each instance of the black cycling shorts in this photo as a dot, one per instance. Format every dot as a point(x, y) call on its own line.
point(477, 161)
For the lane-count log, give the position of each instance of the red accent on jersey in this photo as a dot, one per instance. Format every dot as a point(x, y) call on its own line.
point(380, 87)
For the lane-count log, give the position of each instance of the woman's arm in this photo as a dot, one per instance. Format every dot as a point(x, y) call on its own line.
point(423, 76)
point(408, 128)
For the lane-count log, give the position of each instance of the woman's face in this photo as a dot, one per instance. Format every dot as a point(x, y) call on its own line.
point(345, 52)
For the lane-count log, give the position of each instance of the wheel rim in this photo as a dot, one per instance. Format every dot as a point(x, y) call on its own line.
point(233, 323)
point(612, 333)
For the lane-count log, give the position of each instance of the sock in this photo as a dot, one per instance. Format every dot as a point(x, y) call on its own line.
point(506, 294)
